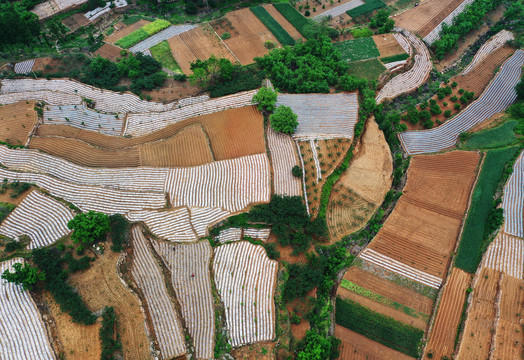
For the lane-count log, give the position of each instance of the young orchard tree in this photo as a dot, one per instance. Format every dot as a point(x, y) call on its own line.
point(25, 275)
point(284, 120)
point(266, 99)
point(89, 227)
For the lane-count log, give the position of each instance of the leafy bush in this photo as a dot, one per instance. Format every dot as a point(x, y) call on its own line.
point(366, 8)
point(378, 327)
point(272, 25)
point(382, 22)
point(242, 78)
point(12, 246)
point(456, 106)
point(25, 275)
point(297, 171)
point(284, 120)
point(361, 32)
point(317, 347)
point(266, 99)
point(89, 227)
point(108, 337)
point(5, 209)
point(225, 36)
point(119, 232)
point(294, 17)
point(447, 113)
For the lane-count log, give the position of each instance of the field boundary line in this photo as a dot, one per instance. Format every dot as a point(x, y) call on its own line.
point(227, 47)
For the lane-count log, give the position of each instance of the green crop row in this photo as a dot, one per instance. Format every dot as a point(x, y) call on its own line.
point(470, 247)
point(378, 327)
point(398, 57)
point(492, 138)
point(276, 29)
point(357, 49)
point(143, 33)
point(293, 16)
point(346, 284)
point(369, 6)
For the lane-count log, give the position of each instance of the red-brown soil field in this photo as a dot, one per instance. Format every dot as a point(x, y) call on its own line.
point(75, 21)
point(442, 336)
point(17, 121)
point(109, 51)
point(387, 45)
point(182, 54)
point(423, 228)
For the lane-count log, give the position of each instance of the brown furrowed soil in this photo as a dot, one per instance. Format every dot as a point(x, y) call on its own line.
point(248, 35)
point(182, 54)
point(478, 329)
point(99, 287)
point(75, 22)
point(425, 17)
point(203, 43)
point(387, 45)
point(422, 230)
point(190, 147)
point(283, 22)
point(390, 290)
point(17, 121)
point(172, 90)
point(78, 342)
point(362, 187)
point(358, 347)
point(259, 351)
point(117, 35)
point(442, 337)
point(109, 51)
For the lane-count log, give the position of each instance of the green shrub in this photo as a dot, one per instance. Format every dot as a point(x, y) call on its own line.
point(25, 275)
point(297, 171)
point(5, 209)
point(109, 338)
point(265, 99)
point(120, 227)
point(272, 25)
point(284, 120)
point(456, 106)
point(447, 113)
point(89, 227)
point(225, 36)
point(361, 32)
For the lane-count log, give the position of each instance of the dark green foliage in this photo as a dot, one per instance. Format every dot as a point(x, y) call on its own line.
point(358, 49)
point(119, 232)
point(101, 72)
point(378, 327)
point(423, 105)
point(294, 17)
point(447, 113)
point(16, 188)
point(50, 262)
point(369, 6)
point(389, 123)
point(17, 24)
point(470, 247)
point(491, 138)
point(11, 246)
point(467, 97)
point(520, 89)
point(310, 67)
point(393, 58)
point(191, 7)
point(297, 171)
point(495, 219)
point(208, 72)
point(74, 265)
point(434, 108)
point(25, 275)
point(5, 209)
point(284, 120)
point(471, 18)
point(382, 22)
point(89, 227)
point(271, 251)
point(242, 78)
point(109, 336)
point(317, 347)
point(272, 25)
point(412, 115)
point(303, 278)
point(266, 99)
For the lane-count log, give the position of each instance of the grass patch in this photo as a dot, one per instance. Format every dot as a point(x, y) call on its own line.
point(393, 58)
point(470, 247)
point(276, 29)
point(378, 327)
point(143, 33)
point(162, 53)
point(492, 138)
point(293, 16)
point(358, 49)
point(368, 69)
point(346, 284)
point(369, 6)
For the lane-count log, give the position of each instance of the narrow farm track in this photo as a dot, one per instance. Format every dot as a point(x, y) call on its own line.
point(22, 330)
point(496, 98)
point(189, 267)
point(441, 341)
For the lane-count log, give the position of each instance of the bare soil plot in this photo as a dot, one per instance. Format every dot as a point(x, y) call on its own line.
point(203, 43)
point(390, 290)
point(172, 90)
point(442, 337)
point(75, 21)
point(425, 17)
point(100, 286)
point(283, 21)
point(77, 341)
point(422, 230)
point(182, 54)
point(248, 35)
point(17, 121)
point(358, 347)
point(109, 51)
point(479, 328)
point(362, 187)
point(387, 45)
point(117, 35)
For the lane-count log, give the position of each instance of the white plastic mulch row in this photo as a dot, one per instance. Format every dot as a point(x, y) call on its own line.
point(499, 94)
point(506, 254)
point(50, 97)
point(51, 7)
point(340, 9)
point(394, 65)
point(283, 159)
point(313, 145)
point(322, 116)
point(42, 218)
point(105, 100)
point(157, 38)
point(229, 235)
point(109, 201)
point(145, 123)
point(22, 331)
point(189, 266)
point(404, 43)
point(99, 11)
point(257, 234)
point(245, 279)
point(397, 267)
point(513, 200)
point(172, 224)
point(230, 184)
point(434, 35)
point(202, 218)
point(303, 177)
point(411, 79)
point(24, 67)
point(83, 118)
point(495, 42)
point(150, 280)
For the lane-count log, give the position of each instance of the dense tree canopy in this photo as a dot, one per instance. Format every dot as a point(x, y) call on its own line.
point(17, 25)
point(208, 72)
point(266, 99)
point(382, 22)
point(284, 120)
point(25, 275)
point(89, 227)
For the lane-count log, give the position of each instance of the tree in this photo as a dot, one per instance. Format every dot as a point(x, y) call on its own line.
point(284, 120)
point(17, 25)
point(211, 71)
point(89, 227)
point(266, 99)
point(25, 275)
point(317, 347)
point(297, 171)
point(101, 72)
point(520, 88)
point(382, 22)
